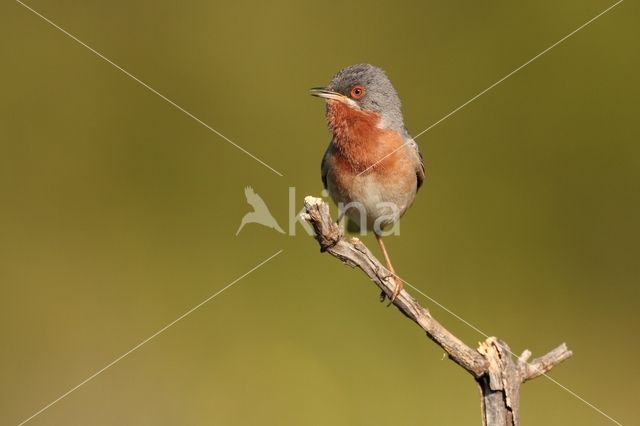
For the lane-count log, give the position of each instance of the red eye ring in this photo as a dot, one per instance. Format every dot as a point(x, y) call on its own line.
point(358, 92)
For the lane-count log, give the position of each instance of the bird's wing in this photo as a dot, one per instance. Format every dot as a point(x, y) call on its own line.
point(248, 192)
point(324, 168)
point(254, 199)
point(420, 172)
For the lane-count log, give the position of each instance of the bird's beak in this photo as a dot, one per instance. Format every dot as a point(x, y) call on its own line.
point(322, 92)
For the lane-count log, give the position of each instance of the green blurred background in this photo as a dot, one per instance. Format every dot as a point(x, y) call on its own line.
point(118, 212)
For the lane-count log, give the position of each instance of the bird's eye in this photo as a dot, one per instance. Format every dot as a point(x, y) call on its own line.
point(357, 92)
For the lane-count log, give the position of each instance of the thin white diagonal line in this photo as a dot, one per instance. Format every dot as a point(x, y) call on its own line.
point(136, 347)
point(572, 393)
point(440, 305)
point(497, 82)
point(581, 399)
point(146, 86)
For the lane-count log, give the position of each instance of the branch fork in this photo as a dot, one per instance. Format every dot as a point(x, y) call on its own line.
point(492, 365)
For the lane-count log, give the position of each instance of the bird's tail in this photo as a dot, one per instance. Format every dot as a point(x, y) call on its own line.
point(352, 227)
point(242, 223)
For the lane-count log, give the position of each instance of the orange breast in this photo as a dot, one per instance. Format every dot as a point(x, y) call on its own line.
point(361, 143)
point(369, 165)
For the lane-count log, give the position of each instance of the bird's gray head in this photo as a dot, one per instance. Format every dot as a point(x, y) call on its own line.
point(365, 87)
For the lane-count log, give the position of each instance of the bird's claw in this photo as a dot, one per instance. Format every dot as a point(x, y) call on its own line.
point(396, 291)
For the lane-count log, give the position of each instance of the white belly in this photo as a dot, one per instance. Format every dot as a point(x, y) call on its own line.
point(368, 201)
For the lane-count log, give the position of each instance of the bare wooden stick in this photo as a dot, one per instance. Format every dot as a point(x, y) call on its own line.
point(492, 364)
point(546, 362)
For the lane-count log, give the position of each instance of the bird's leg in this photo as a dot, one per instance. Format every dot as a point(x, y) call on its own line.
point(397, 281)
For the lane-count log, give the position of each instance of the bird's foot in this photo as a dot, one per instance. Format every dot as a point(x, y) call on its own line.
point(396, 291)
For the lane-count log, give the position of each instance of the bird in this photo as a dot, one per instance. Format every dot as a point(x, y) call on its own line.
point(372, 167)
point(260, 213)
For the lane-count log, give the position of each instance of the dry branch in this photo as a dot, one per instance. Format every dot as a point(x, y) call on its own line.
point(492, 364)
